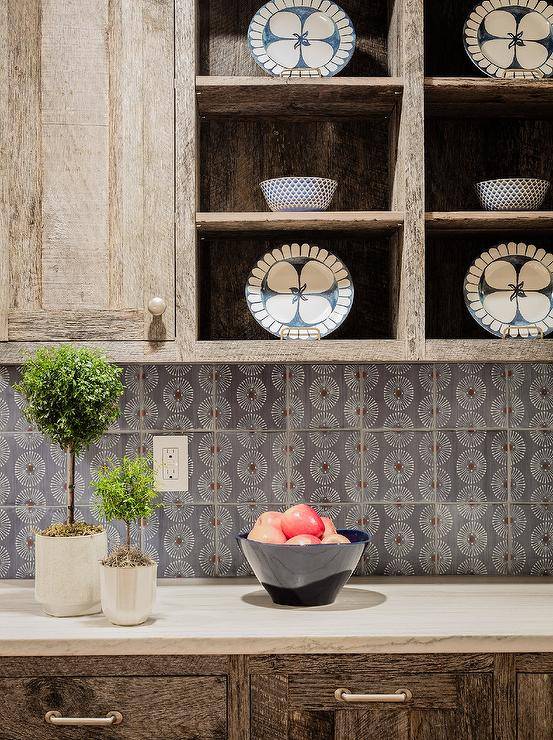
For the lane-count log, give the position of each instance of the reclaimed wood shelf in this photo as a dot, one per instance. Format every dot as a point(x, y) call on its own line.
point(300, 98)
point(488, 221)
point(477, 97)
point(381, 222)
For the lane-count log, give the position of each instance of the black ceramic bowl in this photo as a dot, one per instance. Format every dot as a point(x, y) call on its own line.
point(304, 575)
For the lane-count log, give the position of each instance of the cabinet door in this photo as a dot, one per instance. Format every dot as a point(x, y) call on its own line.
point(86, 170)
point(164, 708)
point(304, 707)
point(534, 706)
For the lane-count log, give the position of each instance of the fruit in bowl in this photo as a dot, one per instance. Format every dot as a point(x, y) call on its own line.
point(299, 557)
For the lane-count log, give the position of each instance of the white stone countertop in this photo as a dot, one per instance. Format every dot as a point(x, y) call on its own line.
point(225, 616)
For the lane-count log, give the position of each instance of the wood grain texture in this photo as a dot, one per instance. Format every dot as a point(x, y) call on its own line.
point(4, 174)
point(23, 160)
point(230, 174)
point(240, 223)
point(534, 662)
point(479, 97)
point(187, 173)
point(391, 723)
point(115, 665)
point(75, 141)
point(297, 98)
point(310, 725)
point(461, 152)
point(488, 350)
point(158, 163)
point(534, 706)
point(505, 697)
point(226, 263)
point(224, 48)
point(466, 222)
point(407, 190)
point(416, 663)
point(172, 708)
point(61, 326)
point(307, 691)
point(238, 698)
point(13, 353)
point(269, 707)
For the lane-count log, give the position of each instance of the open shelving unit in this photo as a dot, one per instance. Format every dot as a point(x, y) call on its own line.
point(406, 129)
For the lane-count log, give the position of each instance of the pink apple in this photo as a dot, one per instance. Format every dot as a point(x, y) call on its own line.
point(335, 539)
point(272, 518)
point(329, 525)
point(302, 519)
point(304, 539)
point(269, 535)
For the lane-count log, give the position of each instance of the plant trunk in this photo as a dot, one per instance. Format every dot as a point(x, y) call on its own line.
point(70, 464)
point(128, 526)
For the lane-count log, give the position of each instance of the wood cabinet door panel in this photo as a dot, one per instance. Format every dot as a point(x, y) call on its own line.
point(168, 708)
point(303, 706)
point(534, 706)
point(87, 187)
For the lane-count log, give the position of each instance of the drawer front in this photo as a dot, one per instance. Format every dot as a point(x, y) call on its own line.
point(438, 707)
point(167, 708)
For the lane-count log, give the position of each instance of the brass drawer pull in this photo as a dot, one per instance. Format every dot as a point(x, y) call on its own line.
point(399, 697)
point(112, 718)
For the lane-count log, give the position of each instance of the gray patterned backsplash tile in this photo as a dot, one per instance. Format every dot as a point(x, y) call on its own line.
point(449, 468)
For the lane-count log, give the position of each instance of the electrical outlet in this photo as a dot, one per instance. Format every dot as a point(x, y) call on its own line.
point(171, 463)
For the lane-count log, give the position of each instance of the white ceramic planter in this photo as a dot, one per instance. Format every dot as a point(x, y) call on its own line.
point(67, 573)
point(128, 594)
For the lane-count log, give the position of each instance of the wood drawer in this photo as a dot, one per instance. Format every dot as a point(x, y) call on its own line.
point(164, 708)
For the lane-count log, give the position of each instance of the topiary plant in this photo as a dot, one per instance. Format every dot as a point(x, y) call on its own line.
point(126, 492)
point(72, 397)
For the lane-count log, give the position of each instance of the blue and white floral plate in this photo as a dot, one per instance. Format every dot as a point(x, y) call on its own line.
point(509, 291)
point(291, 37)
point(511, 39)
point(299, 292)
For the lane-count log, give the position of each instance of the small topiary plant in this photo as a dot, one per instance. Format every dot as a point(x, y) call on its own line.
point(72, 396)
point(126, 492)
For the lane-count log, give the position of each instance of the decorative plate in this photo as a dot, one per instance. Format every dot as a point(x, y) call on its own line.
point(288, 38)
point(299, 292)
point(509, 290)
point(512, 40)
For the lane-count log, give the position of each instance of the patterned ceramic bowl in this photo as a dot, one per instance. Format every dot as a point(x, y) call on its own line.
point(512, 194)
point(299, 194)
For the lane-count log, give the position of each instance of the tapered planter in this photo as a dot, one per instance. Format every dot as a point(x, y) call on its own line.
point(67, 573)
point(128, 594)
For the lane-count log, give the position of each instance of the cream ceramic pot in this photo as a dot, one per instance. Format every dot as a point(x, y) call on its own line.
point(128, 594)
point(67, 573)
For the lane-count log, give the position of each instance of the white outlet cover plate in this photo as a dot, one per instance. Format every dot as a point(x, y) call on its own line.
point(180, 481)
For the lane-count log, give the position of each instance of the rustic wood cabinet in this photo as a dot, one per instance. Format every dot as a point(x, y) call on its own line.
point(275, 697)
point(134, 135)
point(87, 188)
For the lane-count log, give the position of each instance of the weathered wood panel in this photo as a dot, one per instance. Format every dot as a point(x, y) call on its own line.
point(269, 707)
point(390, 723)
point(4, 175)
point(169, 708)
point(505, 697)
point(534, 706)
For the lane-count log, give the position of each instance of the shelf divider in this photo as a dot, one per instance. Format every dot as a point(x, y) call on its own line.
point(475, 97)
point(456, 222)
point(300, 98)
point(241, 223)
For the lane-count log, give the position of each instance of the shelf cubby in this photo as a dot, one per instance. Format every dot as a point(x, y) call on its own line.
point(223, 27)
point(226, 261)
point(444, 51)
point(236, 155)
point(461, 152)
point(448, 258)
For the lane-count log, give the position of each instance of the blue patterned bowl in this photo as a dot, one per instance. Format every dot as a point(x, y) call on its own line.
point(304, 575)
point(299, 194)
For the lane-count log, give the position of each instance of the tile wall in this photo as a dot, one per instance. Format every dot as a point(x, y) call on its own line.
point(448, 467)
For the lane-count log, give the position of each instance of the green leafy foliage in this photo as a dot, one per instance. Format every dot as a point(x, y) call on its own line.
point(72, 395)
point(126, 492)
